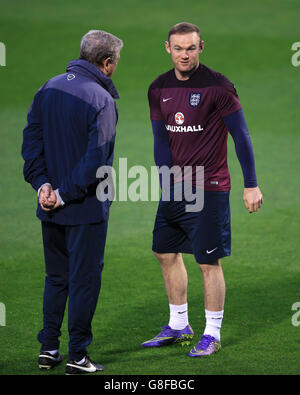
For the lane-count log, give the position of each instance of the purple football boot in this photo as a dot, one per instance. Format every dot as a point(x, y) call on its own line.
point(206, 346)
point(170, 336)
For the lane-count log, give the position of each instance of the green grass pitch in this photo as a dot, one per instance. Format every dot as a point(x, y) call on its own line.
point(250, 42)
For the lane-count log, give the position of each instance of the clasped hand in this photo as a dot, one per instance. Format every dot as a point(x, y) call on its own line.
point(48, 198)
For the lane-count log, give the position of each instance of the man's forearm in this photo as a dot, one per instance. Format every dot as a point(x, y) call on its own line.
point(162, 152)
point(237, 127)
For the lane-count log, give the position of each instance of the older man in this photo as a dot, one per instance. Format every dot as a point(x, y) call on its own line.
point(70, 133)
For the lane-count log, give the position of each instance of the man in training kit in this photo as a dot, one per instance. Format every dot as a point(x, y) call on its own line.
point(70, 133)
point(192, 108)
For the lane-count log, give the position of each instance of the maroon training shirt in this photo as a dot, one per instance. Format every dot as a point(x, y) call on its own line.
point(192, 111)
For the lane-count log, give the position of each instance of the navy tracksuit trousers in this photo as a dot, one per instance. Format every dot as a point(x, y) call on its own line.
point(74, 262)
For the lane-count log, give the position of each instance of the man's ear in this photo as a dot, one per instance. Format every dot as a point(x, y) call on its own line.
point(167, 46)
point(106, 63)
point(201, 46)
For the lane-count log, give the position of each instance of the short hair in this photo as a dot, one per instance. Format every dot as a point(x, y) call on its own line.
point(98, 45)
point(184, 28)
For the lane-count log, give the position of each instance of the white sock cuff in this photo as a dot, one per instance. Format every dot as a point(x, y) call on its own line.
point(214, 314)
point(178, 308)
point(81, 361)
point(178, 316)
point(52, 352)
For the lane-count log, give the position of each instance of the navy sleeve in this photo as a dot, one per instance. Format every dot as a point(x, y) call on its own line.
point(237, 127)
point(34, 170)
point(162, 152)
point(101, 140)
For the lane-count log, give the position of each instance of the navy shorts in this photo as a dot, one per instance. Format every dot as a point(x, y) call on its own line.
point(205, 233)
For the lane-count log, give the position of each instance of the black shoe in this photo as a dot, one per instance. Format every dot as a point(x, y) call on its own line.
point(87, 366)
point(48, 361)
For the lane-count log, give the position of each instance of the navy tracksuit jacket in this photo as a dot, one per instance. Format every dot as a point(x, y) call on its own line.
point(70, 133)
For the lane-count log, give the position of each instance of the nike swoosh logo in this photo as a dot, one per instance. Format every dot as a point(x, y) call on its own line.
point(89, 369)
point(209, 252)
point(169, 98)
point(181, 312)
point(197, 352)
point(158, 338)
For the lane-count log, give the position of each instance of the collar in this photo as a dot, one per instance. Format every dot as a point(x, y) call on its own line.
point(88, 69)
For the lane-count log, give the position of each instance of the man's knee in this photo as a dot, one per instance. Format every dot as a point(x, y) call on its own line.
point(166, 258)
point(209, 266)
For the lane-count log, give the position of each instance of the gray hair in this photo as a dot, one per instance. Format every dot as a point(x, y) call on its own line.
point(98, 45)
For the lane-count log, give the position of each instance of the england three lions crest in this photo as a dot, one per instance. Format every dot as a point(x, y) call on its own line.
point(194, 99)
